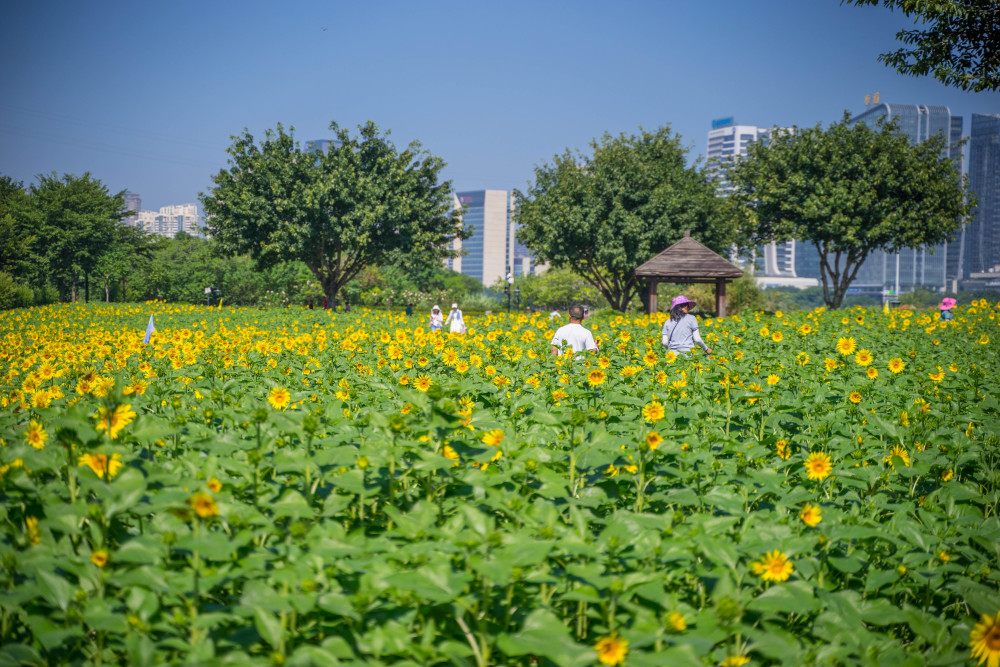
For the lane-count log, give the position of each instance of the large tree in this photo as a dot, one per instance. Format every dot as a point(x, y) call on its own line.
point(337, 211)
point(78, 220)
point(604, 214)
point(958, 41)
point(849, 190)
point(18, 231)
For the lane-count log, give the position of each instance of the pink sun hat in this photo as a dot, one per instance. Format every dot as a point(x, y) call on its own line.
point(680, 301)
point(947, 303)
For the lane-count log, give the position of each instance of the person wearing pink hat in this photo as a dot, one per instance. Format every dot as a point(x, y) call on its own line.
point(946, 305)
point(680, 331)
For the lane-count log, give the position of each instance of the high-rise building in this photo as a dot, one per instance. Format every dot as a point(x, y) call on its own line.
point(171, 219)
point(926, 267)
point(133, 202)
point(981, 251)
point(727, 142)
point(493, 250)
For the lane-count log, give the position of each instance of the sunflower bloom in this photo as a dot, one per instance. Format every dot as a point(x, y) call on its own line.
point(596, 377)
point(493, 438)
point(677, 622)
point(99, 558)
point(854, 397)
point(36, 435)
point(611, 650)
point(734, 661)
point(773, 566)
point(653, 412)
point(214, 485)
point(653, 440)
point(114, 421)
point(31, 526)
point(863, 358)
point(896, 365)
point(811, 515)
point(984, 640)
point(899, 452)
point(203, 505)
point(102, 466)
point(422, 383)
point(279, 398)
point(818, 466)
point(846, 346)
point(450, 454)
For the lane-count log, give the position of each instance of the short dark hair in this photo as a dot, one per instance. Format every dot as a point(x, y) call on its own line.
point(576, 312)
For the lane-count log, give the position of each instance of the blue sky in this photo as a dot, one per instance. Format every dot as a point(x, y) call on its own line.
point(145, 95)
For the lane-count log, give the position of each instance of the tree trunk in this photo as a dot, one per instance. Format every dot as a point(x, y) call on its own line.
point(123, 290)
point(72, 290)
point(86, 287)
point(107, 291)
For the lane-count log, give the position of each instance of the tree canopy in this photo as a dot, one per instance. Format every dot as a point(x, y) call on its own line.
point(849, 190)
point(604, 214)
point(959, 41)
point(338, 211)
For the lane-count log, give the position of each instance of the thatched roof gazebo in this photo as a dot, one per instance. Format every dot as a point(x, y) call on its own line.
point(688, 261)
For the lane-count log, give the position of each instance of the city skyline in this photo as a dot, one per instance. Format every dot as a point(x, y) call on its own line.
point(493, 103)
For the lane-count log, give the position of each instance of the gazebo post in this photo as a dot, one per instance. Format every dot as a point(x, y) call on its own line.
point(651, 296)
point(720, 297)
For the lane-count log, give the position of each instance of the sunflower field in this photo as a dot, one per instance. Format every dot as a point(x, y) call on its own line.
point(300, 487)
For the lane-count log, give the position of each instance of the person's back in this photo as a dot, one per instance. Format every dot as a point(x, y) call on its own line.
point(574, 335)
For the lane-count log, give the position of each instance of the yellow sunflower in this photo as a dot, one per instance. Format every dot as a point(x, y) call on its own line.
point(36, 435)
point(114, 421)
point(677, 621)
point(596, 377)
point(279, 398)
point(811, 515)
point(99, 558)
point(818, 466)
point(653, 440)
point(653, 412)
point(422, 383)
point(773, 566)
point(203, 505)
point(611, 650)
point(102, 465)
point(896, 365)
point(493, 438)
point(863, 358)
point(854, 397)
point(846, 346)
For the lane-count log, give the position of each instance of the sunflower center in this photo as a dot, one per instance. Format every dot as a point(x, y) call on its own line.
point(992, 638)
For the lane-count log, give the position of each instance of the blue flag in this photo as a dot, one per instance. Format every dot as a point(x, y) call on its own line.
point(150, 328)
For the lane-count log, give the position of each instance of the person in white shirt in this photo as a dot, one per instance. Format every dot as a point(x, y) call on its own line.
point(554, 315)
point(680, 331)
point(456, 319)
point(436, 319)
point(574, 334)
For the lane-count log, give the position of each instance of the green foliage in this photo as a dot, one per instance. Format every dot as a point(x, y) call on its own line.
point(357, 205)
point(78, 221)
point(18, 231)
point(848, 190)
point(556, 288)
point(13, 294)
point(283, 497)
point(958, 41)
point(604, 214)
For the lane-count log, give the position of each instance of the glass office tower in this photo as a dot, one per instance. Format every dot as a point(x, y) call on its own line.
point(982, 238)
point(924, 267)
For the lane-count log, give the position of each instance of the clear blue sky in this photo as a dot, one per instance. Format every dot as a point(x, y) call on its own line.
point(145, 95)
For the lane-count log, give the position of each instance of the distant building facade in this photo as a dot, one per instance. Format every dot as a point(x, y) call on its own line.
point(727, 142)
point(934, 268)
point(981, 251)
point(133, 202)
point(493, 250)
point(171, 219)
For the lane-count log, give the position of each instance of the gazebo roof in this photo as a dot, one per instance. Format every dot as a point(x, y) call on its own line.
point(689, 260)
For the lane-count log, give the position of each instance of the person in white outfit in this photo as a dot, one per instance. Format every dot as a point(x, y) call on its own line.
point(456, 319)
point(437, 319)
point(574, 335)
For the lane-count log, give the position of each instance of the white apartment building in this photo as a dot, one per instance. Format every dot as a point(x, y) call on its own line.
point(170, 219)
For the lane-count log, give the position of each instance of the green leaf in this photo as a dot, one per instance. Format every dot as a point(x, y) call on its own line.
point(796, 597)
